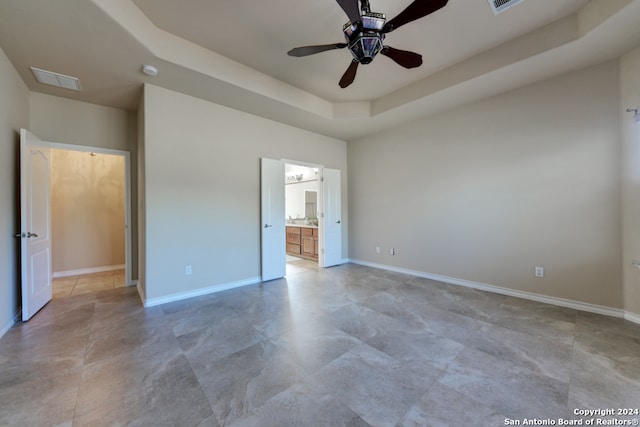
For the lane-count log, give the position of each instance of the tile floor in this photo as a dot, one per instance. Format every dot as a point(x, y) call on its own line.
point(88, 283)
point(345, 346)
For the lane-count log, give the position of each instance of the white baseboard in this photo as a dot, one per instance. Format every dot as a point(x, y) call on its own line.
point(196, 292)
point(92, 270)
point(577, 305)
point(342, 262)
point(632, 317)
point(11, 322)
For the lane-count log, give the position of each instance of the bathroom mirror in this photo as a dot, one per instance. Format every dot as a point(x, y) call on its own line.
point(310, 204)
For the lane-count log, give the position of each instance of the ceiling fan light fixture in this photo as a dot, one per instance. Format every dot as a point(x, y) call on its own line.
point(365, 33)
point(365, 38)
point(366, 46)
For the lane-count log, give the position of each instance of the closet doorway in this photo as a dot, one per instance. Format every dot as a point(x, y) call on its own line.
point(89, 212)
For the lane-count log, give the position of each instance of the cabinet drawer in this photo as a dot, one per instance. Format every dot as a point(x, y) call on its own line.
point(307, 231)
point(293, 249)
point(293, 238)
point(293, 230)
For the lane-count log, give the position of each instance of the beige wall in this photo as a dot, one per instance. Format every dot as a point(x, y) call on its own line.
point(14, 114)
point(141, 199)
point(202, 185)
point(87, 210)
point(490, 190)
point(630, 98)
point(67, 121)
point(80, 123)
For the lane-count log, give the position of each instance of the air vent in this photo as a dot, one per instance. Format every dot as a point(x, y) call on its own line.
point(56, 79)
point(499, 6)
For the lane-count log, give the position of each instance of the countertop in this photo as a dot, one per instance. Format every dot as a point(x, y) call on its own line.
point(302, 225)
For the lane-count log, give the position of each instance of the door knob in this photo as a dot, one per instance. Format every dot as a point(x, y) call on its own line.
point(268, 226)
point(338, 222)
point(30, 234)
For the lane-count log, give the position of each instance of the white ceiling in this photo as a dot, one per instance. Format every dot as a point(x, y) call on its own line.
point(234, 53)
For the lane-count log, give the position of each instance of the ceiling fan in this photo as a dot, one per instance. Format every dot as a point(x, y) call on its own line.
point(365, 33)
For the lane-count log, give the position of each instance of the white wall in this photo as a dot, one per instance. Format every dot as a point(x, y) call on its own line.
point(630, 98)
point(202, 188)
point(67, 121)
point(14, 114)
point(490, 190)
point(141, 198)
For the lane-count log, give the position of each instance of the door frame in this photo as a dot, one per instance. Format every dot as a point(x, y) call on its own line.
point(127, 197)
point(320, 202)
point(321, 206)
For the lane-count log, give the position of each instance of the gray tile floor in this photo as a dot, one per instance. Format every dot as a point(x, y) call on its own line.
point(345, 346)
point(88, 283)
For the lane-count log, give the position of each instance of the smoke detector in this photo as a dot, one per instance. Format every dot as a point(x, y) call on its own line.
point(499, 6)
point(150, 70)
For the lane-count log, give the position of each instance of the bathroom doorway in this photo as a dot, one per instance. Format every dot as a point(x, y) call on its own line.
point(302, 184)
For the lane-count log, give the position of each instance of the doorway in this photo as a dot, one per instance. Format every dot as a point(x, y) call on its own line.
point(273, 220)
point(90, 207)
point(87, 221)
point(302, 185)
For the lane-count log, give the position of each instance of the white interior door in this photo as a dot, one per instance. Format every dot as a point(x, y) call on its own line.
point(331, 201)
point(35, 248)
point(272, 214)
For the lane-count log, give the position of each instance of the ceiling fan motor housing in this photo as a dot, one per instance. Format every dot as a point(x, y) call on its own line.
point(365, 38)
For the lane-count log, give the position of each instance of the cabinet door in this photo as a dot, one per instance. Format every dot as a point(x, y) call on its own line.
point(308, 245)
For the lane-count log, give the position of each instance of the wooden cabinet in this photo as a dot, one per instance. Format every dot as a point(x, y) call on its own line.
point(302, 242)
point(293, 240)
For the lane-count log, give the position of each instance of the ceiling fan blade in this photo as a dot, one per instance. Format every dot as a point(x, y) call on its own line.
point(416, 10)
point(403, 57)
point(349, 76)
point(351, 8)
point(310, 50)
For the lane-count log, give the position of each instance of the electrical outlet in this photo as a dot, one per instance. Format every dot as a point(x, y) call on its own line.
point(187, 270)
point(377, 249)
point(539, 271)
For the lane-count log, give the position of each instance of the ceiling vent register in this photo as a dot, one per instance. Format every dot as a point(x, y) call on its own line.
point(499, 6)
point(56, 79)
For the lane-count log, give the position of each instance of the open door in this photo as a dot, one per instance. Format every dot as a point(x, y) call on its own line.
point(35, 247)
point(272, 214)
point(331, 200)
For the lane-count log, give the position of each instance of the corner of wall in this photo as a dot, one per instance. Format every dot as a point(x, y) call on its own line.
point(14, 114)
point(630, 136)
